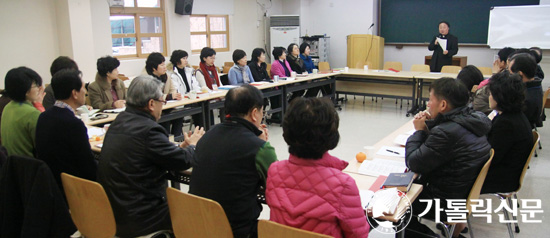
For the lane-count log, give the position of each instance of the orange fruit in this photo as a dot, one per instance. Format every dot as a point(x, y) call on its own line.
point(360, 157)
point(97, 138)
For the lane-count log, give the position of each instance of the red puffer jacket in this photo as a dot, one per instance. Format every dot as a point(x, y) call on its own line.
point(315, 195)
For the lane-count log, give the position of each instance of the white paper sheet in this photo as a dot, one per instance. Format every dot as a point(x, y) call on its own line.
point(442, 43)
point(95, 131)
point(401, 139)
point(410, 132)
point(366, 196)
point(384, 167)
point(392, 151)
point(115, 110)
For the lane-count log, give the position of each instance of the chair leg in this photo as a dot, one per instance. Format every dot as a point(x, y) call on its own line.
point(446, 229)
point(540, 145)
point(536, 155)
point(508, 225)
point(509, 200)
point(470, 227)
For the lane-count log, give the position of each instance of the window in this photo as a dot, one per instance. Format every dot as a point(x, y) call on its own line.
point(138, 28)
point(209, 31)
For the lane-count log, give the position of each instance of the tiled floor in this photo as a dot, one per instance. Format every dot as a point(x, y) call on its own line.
point(365, 124)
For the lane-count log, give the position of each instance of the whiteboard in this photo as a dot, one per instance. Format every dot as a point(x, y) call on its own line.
point(519, 27)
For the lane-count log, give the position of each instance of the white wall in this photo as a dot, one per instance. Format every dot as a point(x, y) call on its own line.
point(337, 19)
point(29, 36)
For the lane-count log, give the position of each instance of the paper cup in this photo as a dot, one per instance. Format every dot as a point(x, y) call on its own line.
point(366, 67)
point(315, 71)
point(369, 151)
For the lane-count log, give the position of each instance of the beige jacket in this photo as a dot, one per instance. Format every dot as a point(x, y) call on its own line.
point(100, 92)
point(169, 87)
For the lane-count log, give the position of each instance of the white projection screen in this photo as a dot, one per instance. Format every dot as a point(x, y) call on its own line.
point(519, 27)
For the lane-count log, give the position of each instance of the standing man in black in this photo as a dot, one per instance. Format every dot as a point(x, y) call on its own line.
point(442, 56)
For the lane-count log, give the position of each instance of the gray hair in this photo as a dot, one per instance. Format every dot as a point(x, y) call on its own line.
point(142, 89)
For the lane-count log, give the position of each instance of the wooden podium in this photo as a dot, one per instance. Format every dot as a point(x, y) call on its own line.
point(359, 45)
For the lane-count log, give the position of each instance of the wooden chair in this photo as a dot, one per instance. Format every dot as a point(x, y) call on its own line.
point(194, 216)
point(195, 67)
point(324, 67)
point(451, 69)
point(90, 207)
point(545, 99)
point(394, 65)
point(269, 229)
point(420, 68)
point(268, 69)
point(473, 195)
point(508, 196)
point(485, 70)
point(229, 64)
point(226, 69)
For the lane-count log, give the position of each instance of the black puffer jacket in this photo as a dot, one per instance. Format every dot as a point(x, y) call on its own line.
point(452, 153)
point(134, 160)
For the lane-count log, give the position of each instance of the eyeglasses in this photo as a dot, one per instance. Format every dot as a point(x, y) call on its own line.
point(162, 101)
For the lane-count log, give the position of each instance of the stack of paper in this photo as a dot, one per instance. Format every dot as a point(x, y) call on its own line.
point(115, 110)
point(384, 167)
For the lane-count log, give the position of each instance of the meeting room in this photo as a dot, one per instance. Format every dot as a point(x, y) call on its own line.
point(274, 118)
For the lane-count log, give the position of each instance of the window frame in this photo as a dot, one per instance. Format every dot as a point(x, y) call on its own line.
point(138, 12)
point(208, 32)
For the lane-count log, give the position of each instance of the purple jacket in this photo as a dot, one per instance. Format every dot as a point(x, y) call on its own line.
point(277, 69)
point(315, 195)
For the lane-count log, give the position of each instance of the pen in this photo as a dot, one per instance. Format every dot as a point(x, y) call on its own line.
point(392, 151)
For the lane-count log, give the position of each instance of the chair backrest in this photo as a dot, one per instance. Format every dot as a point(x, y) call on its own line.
point(269, 229)
point(536, 139)
point(226, 69)
point(485, 70)
point(394, 65)
point(195, 67)
point(478, 184)
point(450, 69)
point(90, 207)
point(194, 216)
point(420, 68)
point(324, 66)
point(545, 98)
point(268, 69)
point(228, 64)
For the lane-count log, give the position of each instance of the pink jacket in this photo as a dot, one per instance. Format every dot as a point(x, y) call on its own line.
point(277, 68)
point(315, 195)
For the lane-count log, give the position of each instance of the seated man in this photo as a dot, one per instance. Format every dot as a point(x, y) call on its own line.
point(232, 159)
point(62, 138)
point(134, 160)
point(61, 62)
point(449, 152)
point(525, 65)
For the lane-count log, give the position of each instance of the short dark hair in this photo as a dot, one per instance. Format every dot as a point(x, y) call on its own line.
point(62, 62)
point(505, 52)
point(291, 47)
point(177, 55)
point(525, 63)
point(278, 51)
point(206, 52)
point(303, 47)
point(310, 127)
point(257, 53)
point(452, 91)
point(538, 53)
point(238, 54)
point(446, 23)
point(19, 81)
point(153, 61)
point(240, 101)
point(470, 76)
point(106, 65)
point(65, 81)
point(508, 91)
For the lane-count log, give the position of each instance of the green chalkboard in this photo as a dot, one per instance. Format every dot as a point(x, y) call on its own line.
point(416, 21)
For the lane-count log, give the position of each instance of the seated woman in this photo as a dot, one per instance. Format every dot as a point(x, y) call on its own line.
point(294, 60)
point(181, 73)
point(107, 91)
point(470, 76)
point(207, 73)
point(280, 66)
point(310, 128)
point(156, 67)
point(23, 86)
point(240, 72)
point(510, 134)
point(304, 55)
point(257, 65)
